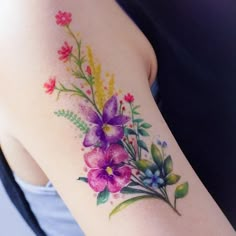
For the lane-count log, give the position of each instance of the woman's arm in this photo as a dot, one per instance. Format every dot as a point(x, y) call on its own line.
point(97, 133)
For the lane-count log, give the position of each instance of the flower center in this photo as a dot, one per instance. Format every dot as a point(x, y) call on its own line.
point(106, 128)
point(109, 170)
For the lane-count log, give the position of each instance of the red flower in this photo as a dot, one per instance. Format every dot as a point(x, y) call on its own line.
point(65, 52)
point(129, 98)
point(63, 18)
point(88, 92)
point(88, 70)
point(50, 85)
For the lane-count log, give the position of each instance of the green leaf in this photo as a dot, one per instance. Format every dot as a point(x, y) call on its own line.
point(103, 196)
point(120, 143)
point(135, 108)
point(126, 203)
point(168, 165)
point(145, 125)
point(129, 131)
point(136, 113)
point(72, 117)
point(143, 132)
point(84, 179)
point(132, 184)
point(143, 165)
point(138, 120)
point(156, 155)
point(128, 190)
point(142, 145)
point(172, 179)
point(181, 190)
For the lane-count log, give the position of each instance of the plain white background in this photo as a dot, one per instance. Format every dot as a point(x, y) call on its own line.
point(11, 223)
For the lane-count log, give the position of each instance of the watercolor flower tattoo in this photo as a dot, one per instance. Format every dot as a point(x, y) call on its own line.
point(118, 159)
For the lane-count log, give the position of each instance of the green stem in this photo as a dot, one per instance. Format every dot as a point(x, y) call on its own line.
point(130, 147)
point(79, 62)
point(137, 136)
point(128, 150)
point(79, 93)
point(173, 207)
point(148, 188)
point(163, 197)
point(76, 40)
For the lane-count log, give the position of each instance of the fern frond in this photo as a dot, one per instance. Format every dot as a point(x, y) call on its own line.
point(72, 117)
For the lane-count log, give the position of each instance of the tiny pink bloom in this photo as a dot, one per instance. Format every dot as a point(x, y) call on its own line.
point(88, 70)
point(63, 18)
point(50, 85)
point(108, 168)
point(88, 92)
point(129, 98)
point(65, 52)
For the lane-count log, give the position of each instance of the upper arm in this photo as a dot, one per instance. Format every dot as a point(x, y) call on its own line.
point(93, 132)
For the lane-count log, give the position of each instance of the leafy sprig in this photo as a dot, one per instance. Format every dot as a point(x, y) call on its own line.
point(72, 117)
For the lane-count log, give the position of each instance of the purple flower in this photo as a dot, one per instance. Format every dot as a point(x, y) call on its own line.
point(108, 127)
point(108, 168)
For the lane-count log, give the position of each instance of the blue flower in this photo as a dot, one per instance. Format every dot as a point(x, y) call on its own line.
point(153, 180)
point(162, 144)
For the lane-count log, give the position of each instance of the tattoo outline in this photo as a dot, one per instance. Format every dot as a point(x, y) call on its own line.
point(114, 133)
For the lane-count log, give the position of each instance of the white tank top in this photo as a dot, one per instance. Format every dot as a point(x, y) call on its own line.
point(53, 216)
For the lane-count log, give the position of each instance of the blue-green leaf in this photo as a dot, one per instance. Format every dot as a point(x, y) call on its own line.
point(142, 145)
point(128, 190)
point(84, 179)
point(126, 203)
point(156, 155)
point(129, 131)
point(136, 113)
point(168, 165)
point(138, 120)
point(143, 132)
point(103, 196)
point(120, 143)
point(145, 125)
point(132, 184)
point(181, 190)
point(136, 107)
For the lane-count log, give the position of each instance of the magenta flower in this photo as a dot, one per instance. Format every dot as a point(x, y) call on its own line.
point(89, 70)
point(108, 127)
point(108, 168)
point(129, 98)
point(65, 52)
point(50, 85)
point(63, 18)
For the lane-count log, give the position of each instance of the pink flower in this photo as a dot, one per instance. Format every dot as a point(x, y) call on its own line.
point(108, 168)
point(63, 18)
point(88, 92)
point(50, 85)
point(88, 70)
point(129, 98)
point(64, 52)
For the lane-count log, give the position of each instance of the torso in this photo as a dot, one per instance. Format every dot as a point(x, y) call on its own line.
point(21, 162)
